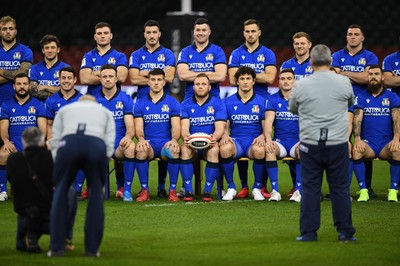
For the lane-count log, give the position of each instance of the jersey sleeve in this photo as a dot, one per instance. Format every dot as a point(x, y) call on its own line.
point(137, 110)
point(50, 114)
point(372, 59)
point(87, 61)
point(27, 55)
point(183, 56)
point(176, 108)
point(184, 112)
point(4, 112)
point(270, 58)
point(220, 57)
point(220, 112)
point(33, 73)
point(134, 60)
point(122, 61)
point(128, 105)
point(335, 60)
point(170, 58)
point(41, 110)
point(234, 59)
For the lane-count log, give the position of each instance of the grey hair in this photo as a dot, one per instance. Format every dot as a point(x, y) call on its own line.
point(32, 136)
point(320, 55)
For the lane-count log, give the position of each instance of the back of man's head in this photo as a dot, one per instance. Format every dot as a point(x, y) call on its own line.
point(32, 136)
point(320, 55)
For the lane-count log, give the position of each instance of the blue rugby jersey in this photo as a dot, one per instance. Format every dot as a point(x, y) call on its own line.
point(46, 76)
point(354, 63)
point(301, 70)
point(245, 118)
point(203, 61)
point(94, 60)
point(143, 59)
point(202, 117)
point(11, 60)
point(258, 60)
point(377, 123)
point(286, 124)
point(21, 117)
point(56, 101)
point(391, 63)
point(120, 105)
point(157, 116)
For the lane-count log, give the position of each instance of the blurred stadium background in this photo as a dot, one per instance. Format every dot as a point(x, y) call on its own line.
point(326, 21)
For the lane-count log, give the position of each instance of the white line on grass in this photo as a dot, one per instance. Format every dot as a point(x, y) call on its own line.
point(194, 203)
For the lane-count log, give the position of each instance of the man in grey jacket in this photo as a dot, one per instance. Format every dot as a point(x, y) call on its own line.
point(321, 101)
point(83, 138)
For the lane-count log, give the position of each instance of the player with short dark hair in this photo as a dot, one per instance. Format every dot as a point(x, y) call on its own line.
point(285, 128)
point(201, 113)
point(157, 127)
point(120, 105)
point(152, 55)
point(353, 62)
point(44, 75)
point(202, 57)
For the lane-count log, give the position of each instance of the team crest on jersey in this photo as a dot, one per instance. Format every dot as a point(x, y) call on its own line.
point(309, 69)
point(209, 57)
point(362, 61)
point(161, 58)
point(111, 61)
point(255, 109)
point(260, 58)
point(210, 110)
point(165, 108)
point(119, 105)
point(385, 102)
point(55, 75)
point(17, 56)
point(31, 110)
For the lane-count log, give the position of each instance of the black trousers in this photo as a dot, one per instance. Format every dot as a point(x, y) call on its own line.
point(88, 154)
point(315, 159)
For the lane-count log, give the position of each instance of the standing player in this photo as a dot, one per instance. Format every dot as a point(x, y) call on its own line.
point(141, 62)
point(202, 57)
point(201, 113)
point(243, 135)
point(44, 75)
point(263, 61)
point(157, 127)
point(376, 127)
point(15, 57)
point(66, 95)
point(120, 105)
point(391, 72)
point(286, 133)
point(353, 62)
point(17, 114)
point(90, 73)
point(300, 64)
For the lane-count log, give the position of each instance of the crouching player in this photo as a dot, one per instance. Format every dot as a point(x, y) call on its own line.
point(286, 134)
point(243, 136)
point(157, 126)
point(201, 113)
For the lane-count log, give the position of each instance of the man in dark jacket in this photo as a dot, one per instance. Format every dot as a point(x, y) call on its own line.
point(30, 174)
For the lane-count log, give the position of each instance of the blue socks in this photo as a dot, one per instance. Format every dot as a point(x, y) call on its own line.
point(142, 168)
point(129, 171)
point(173, 170)
point(272, 168)
point(359, 170)
point(394, 174)
point(258, 169)
point(3, 179)
point(227, 165)
point(187, 172)
point(211, 173)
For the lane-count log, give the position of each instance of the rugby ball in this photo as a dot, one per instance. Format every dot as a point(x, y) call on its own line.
point(199, 140)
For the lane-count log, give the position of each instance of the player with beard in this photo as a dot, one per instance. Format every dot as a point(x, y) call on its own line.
point(17, 114)
point(44, 75)
point(15, 57)
point(376, 130)
point(201, 113)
